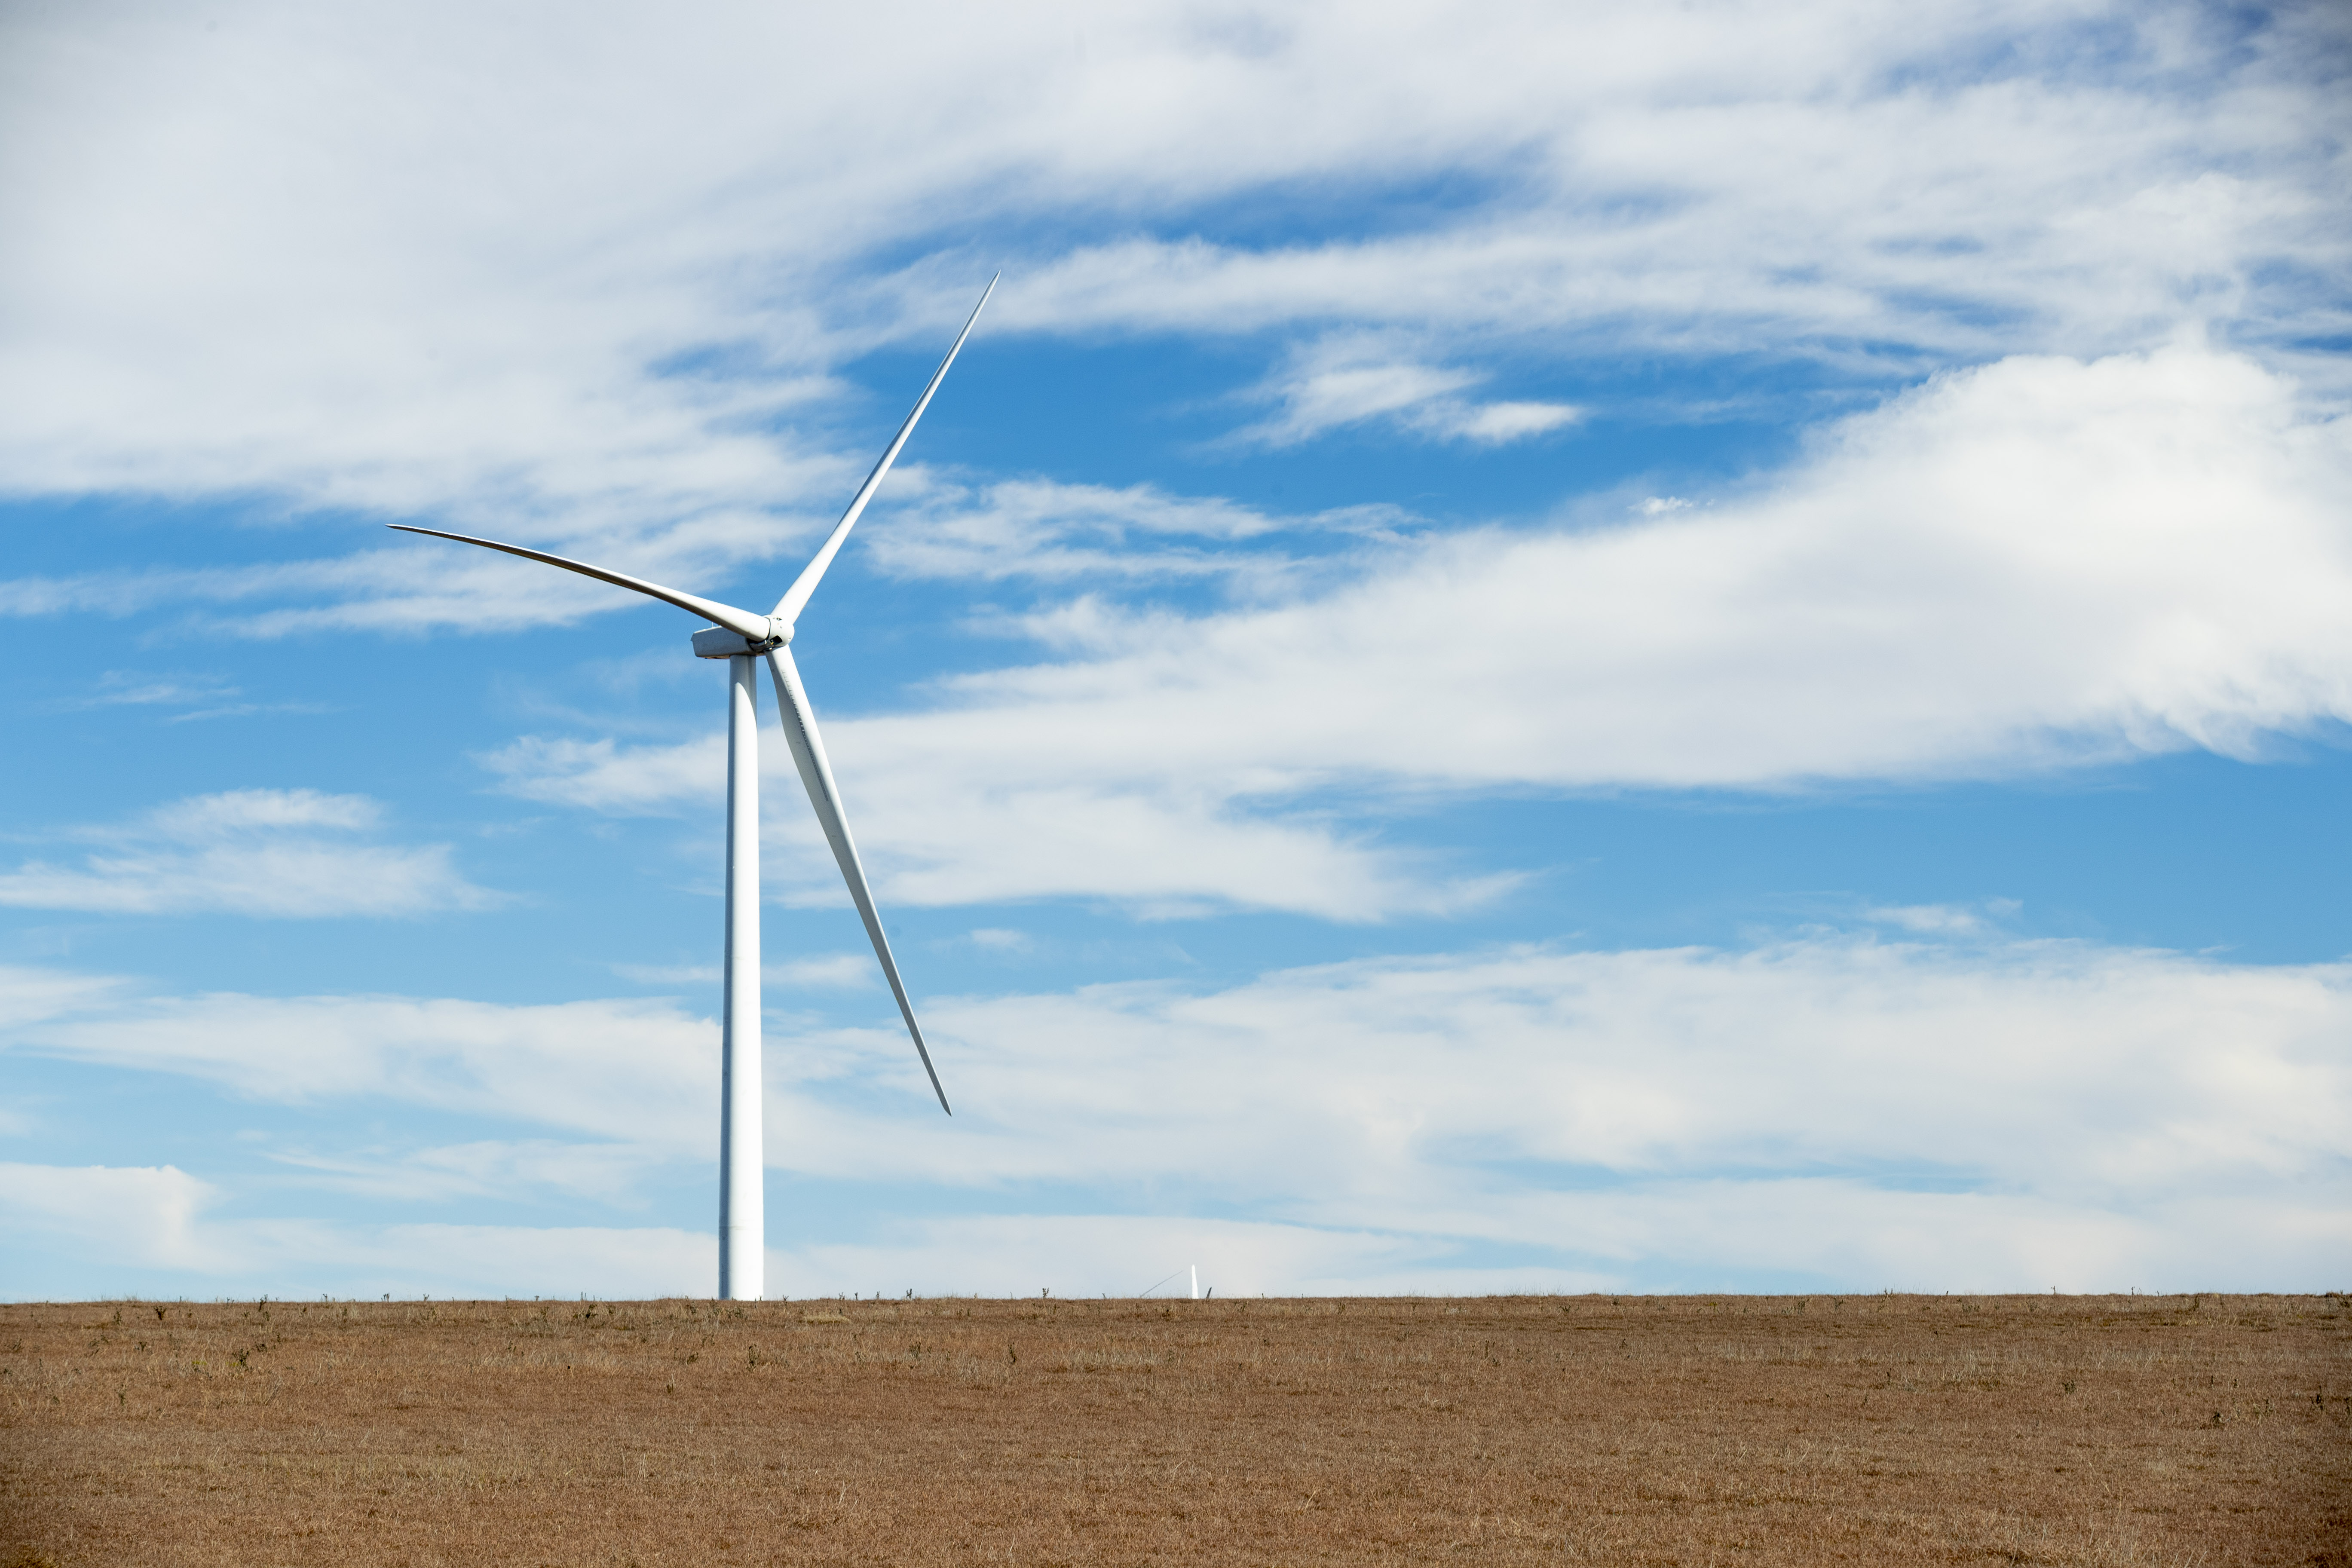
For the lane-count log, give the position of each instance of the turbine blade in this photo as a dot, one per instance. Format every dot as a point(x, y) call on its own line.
point(817, 775)
point(796, 597)
point(754, 628)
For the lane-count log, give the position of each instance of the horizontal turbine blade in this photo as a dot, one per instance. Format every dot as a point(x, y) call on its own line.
point(796, 597)
point(817, 775)
point(754, 628)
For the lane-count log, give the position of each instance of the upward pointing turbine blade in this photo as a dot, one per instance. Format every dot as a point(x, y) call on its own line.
point(816, 775)
point(754, 628)
point(796, 597)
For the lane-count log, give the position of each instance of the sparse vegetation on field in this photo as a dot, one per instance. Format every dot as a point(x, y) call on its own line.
point(1874, 1429)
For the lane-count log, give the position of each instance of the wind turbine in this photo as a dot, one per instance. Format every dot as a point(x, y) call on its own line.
point(741, 639)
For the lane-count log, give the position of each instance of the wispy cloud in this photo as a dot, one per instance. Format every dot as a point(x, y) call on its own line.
point(417, 584)
point(2029, 566)
point(510, 1170)
point(127, 1229)
point(29, 995)
point(1823, 1055)
point(1061, 533)
point(1944, 920)
point(846, 970)
point(197, 698)
point(1868, 199)
point(1007, 828)
point(2017, 566)
point(1975, 1114)
point(2010, 1114)
point(1348, 382)
point(296, 854)
point(401, 317)
point(117, 690)
point(1000, 938)
point(629, 1072)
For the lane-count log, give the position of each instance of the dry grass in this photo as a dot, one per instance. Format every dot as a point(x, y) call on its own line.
point(1881, 1429)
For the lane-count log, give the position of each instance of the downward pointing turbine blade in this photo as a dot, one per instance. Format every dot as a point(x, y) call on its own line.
point(817, 775)
point(754, 628)
point(796, 597)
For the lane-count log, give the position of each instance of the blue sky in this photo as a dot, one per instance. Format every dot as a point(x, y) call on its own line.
point(1561, 648)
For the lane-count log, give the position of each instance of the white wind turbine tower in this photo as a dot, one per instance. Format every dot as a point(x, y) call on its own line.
point(741, 638)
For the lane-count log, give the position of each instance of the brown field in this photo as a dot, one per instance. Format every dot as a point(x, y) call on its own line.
point(1874, 1429)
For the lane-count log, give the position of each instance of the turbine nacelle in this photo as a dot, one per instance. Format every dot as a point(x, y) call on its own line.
point(717, 642)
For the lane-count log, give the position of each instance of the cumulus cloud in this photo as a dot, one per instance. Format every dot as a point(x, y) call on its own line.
point(2032, 564)
point(295, 854)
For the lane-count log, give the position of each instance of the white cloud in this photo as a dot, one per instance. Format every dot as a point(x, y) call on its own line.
point(1496, 422)
point(1033, 529)
point(1988, 1115)
point(2016, 1115)
point(122, 1217)
point(1940, 919)
point(999, 938)
point(199, 696)
point(1813, 179)
point(30, 996)
point(117, 689)
point(1370, 1088)
point(849, 969)
point(2016, 564)
point(79, 1232)
point(1326, 395)
point(996, 831)
point(244, 810)
point(1124, 1255)
point(1351, 381)
point(431, 257)
point(503, 1169)
point(283, 853)
point(1701, 1236)
point(596, 289)
point(629, 1071)
point(2031, 564)
point(1057, 532)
